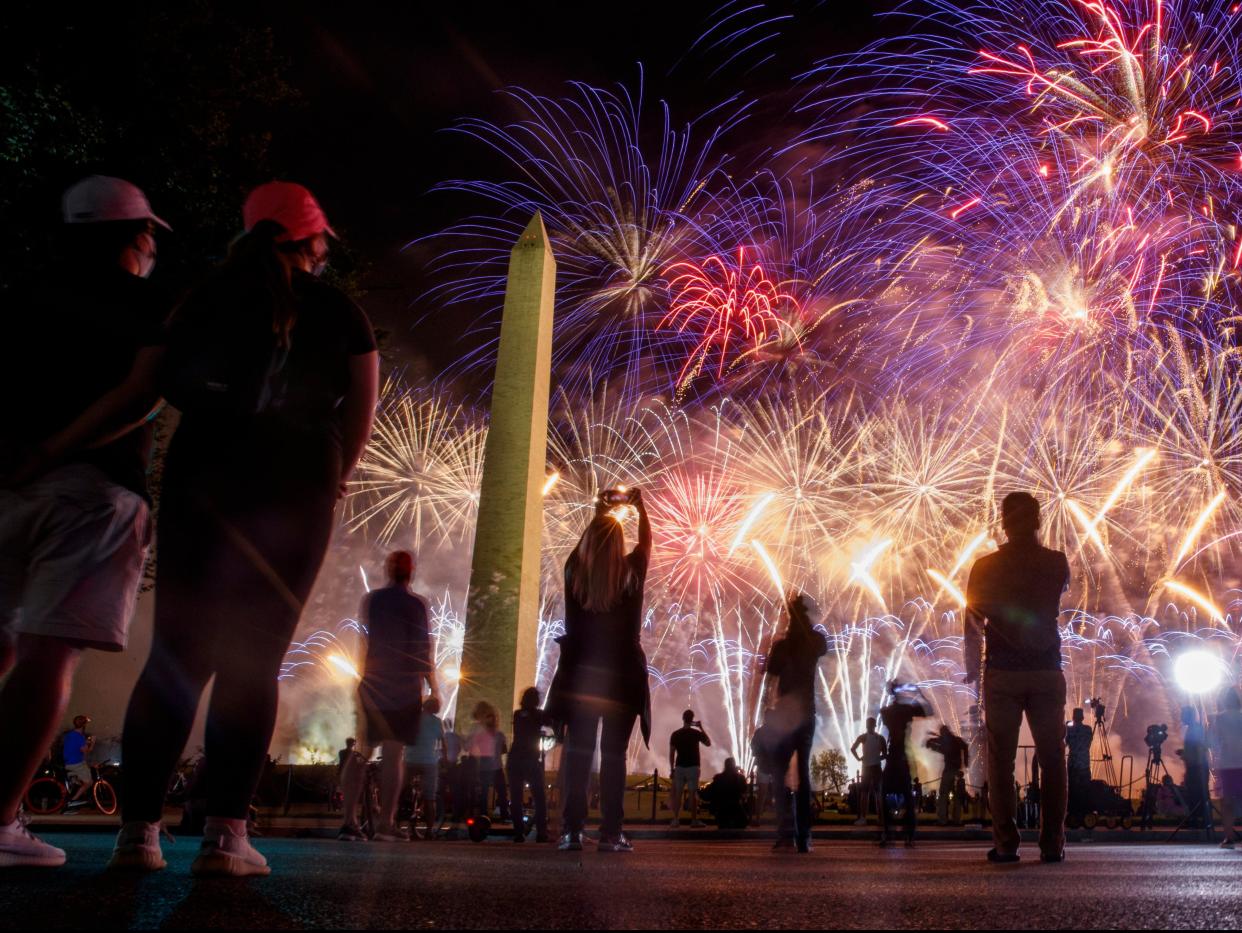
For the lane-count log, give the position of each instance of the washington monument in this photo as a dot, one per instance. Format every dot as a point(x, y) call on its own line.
point(502, 614)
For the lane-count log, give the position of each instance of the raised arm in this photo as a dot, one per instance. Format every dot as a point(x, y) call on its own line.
point(972, 620)
point(644, 524)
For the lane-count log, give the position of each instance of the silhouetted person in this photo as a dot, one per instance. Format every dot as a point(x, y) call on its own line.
point(1225, 737)
point(276, 376)
point(602, 674)
point(390, 694)
point(763, 747)
point(343, 756)
point(1013, 599)
point(956, 755)
point(1078, 737)
point(75, 515)
point(1194, 753)
point(874, 751)
point(526, 764)
point(725, 797)
point(906, 704)
point(685, 765)
point(792, 663)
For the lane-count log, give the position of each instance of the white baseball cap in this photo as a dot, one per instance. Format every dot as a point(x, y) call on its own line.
point(100, 198)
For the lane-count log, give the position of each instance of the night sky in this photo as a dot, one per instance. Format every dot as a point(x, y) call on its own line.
point(383, 85)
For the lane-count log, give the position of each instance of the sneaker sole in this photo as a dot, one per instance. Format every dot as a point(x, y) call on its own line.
point(15, 860)
point(217, 864)
point(136, 861)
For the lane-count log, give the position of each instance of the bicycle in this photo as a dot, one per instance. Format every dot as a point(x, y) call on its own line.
point(52, 791)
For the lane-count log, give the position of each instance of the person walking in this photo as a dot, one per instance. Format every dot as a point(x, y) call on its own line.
point(685, 766)
point(874, 751)
point(276, 375)
point(398, 665)
point(1013, 600)
point(792, 664)
point(74, 506)
point(600, 684)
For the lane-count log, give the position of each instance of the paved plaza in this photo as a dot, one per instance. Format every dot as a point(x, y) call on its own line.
point(319, 884)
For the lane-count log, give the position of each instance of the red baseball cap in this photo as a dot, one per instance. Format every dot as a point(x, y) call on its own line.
point(289, 204)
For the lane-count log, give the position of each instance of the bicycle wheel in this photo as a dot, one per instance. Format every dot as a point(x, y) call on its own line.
point(105, 797)
point(46, 795)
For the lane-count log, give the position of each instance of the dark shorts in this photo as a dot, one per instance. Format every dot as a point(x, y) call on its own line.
point(389, 725)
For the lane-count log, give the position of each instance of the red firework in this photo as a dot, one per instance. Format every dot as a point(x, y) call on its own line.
point(726, 303)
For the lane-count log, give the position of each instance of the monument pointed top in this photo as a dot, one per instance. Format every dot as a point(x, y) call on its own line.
point(535, 235)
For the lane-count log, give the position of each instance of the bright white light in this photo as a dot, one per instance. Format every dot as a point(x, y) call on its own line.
point(1198, 671)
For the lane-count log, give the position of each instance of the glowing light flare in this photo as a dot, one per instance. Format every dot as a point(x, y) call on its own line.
point(1197, 598)
point(946, 584)
point(860, 570)
point(751, 517)
point(1193, 532)
point(343, 665)
point(1199, 671)
point(770, 565)
point(550, 483)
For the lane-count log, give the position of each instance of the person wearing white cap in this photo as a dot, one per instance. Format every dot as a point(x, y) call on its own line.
point(275, 374)
point(74, 517)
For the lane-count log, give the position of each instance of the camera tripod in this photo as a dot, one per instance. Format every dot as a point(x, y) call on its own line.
point(1153, 776)
point(1104, 763)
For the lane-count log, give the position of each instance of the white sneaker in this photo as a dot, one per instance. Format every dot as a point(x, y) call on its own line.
point(860, 822)
point(138, 848)
point(227, 851)
point(19, 846)
point(674, 824)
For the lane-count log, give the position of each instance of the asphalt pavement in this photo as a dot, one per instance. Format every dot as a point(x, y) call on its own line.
point(318, 884)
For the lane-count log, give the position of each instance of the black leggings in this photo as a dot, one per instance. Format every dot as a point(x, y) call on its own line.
point(233, 572)
point(614, 740)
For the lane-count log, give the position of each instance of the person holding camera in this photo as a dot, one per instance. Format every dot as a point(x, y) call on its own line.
point(1013, 599)
point(792, 663)
point(684, 765)
point(602, 674)
point(907, 704)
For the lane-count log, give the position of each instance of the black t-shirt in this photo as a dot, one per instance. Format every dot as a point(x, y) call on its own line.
point(794, 661)
point(398, 647)
point(685, 743)
point(527, 730)
point(602, 651)
point(1018, 591)
point(68, 339)
point(952, 747)
point(299, 436)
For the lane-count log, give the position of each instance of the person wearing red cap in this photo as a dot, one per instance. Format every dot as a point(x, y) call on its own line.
point(74, 517)
point(275, 374)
